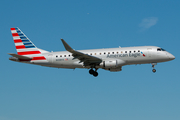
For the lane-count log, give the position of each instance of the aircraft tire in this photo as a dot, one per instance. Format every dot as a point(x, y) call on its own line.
point(95, 74)
point(91, 71)
point(154, 70)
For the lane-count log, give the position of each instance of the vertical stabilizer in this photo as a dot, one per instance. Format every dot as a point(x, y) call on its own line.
point(24, 46)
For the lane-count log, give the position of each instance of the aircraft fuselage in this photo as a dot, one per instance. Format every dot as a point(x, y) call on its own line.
point(111, 59)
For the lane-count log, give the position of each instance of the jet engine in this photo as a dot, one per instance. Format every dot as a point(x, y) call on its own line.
point(106, 64)
point(114, 69)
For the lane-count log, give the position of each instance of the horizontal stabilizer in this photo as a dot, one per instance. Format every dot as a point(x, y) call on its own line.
point(20, 56)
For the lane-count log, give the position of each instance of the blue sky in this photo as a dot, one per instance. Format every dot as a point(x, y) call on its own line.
point(29, 92)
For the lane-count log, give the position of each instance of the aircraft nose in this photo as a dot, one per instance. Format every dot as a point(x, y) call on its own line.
point(171, 57)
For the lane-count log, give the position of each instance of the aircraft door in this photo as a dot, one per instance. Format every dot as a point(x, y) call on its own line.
point(149, 52)
point(50, 58)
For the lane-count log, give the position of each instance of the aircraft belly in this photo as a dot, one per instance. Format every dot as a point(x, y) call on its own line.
point(66, 63)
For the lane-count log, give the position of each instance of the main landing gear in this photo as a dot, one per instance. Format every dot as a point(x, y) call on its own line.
point(93, 72)
point(153, 65)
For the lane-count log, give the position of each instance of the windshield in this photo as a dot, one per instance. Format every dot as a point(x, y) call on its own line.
point(160, 49)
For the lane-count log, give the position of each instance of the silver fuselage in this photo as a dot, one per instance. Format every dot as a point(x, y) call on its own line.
point(130, 55)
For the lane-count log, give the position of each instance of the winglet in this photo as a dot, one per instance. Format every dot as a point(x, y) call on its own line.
point(67, 47)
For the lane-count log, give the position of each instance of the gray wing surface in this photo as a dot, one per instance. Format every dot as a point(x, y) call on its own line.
point(85, 58)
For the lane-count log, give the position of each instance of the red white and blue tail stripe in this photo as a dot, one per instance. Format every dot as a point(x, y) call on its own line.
point(25, 47)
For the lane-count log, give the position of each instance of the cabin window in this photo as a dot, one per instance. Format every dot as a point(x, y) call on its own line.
point(69, 55)
point(60, 55)
point(129, 51)
point(91, 54)
point(94, 53)
point(112, 52)
point(56, 56)
point(64, 55)
point(125, 51)
point(108, 52)
point(100, 53)
point(134, 51)
point(117, 52)
point(104, 53)
point(138, 50)
point(121, 51)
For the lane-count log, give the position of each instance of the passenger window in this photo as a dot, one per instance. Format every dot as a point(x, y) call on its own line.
point(69, 55)
point(91, 54)
point(64, 55)
point(104, 53)
point(94, 53)
point(129, 51)
point(125, 51)
point(121, 51)
point(56, 56)
point(134, 51)
point(60, 55)
point(100, 53)
point(112, 52)
point(138, 50)
point(117, 52)
point(108, 52)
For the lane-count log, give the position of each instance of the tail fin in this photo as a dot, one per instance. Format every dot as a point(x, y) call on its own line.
point(25, 47)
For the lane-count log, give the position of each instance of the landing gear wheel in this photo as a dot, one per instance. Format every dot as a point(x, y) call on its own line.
point(153, 65)
point(91, 71)
point(154, 70)
point(95, 74)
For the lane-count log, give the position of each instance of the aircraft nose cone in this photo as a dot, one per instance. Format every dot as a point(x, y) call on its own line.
point(171, 57)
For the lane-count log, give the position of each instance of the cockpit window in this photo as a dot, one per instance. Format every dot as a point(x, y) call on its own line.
point(161, 49)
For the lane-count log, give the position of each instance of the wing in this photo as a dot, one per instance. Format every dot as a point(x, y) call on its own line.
point(85, 58)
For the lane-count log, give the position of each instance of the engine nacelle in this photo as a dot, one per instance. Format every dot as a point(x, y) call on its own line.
point(114, 69)
point(112, 63)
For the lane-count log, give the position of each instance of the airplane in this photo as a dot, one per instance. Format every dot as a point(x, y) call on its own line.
point(111, 59)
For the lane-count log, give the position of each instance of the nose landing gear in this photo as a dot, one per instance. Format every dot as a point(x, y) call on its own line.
point(154, 70)
point(93, 72)
point(153, 65)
